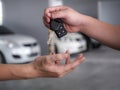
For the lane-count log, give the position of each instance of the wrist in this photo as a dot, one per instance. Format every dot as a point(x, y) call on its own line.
point(31, 71)
point(23, 71)
point(84, 22)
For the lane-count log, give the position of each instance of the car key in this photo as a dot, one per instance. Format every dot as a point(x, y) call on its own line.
point(57, 26)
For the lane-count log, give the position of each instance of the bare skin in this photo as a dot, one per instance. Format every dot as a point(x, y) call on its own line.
point(76, 22)
point(42, 66)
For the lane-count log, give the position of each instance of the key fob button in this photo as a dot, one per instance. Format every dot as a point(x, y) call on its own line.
point(57, 26)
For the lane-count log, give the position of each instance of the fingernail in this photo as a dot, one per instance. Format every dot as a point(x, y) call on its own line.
point(80, 55)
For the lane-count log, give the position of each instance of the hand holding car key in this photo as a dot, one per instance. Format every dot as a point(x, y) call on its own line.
point(57, 26)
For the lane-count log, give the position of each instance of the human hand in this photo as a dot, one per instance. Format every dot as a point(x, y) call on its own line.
point(72, 20)
point(50, 66)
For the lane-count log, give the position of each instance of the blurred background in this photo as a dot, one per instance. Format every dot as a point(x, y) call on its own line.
point(22, 28)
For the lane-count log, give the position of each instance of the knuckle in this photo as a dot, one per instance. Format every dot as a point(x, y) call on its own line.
point(45, 10)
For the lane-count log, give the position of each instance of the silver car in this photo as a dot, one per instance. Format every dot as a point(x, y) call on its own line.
point(73, 42)
point(15, 48)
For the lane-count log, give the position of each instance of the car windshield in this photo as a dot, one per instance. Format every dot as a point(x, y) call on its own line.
point(5, 31)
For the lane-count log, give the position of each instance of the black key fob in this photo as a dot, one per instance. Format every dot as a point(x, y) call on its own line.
point(57, 26)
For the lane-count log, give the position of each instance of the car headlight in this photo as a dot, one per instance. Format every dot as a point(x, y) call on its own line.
point(10, 44)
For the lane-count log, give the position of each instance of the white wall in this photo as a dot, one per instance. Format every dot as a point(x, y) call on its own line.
point(109, 11)
point(1, 12)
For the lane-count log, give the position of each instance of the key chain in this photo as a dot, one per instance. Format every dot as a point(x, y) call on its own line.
point(50, 42)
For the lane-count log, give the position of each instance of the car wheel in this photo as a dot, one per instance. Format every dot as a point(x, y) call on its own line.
point(2, 58)
point(56, 49)
point(89, 42)
point(89, 45)
point(96, 45)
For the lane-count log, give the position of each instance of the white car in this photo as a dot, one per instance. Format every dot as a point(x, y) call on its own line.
point(74, 42)
point(15, 48)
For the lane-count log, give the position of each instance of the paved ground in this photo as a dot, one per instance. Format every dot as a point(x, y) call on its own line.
point(100, 71)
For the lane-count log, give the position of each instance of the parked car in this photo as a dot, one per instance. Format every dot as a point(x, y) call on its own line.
point(16, 48)
point(75, 43)
point(91, 43)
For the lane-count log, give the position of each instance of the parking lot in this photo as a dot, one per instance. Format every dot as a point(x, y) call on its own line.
point(100, 71)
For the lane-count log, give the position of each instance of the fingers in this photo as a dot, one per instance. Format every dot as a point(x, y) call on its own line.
point(49, 67)
point(46, 21)
point(59, 56)
point(56, 61)
point(48, 11)
point(68, 65)
point(55, 58)
point(68, 58)
point(75, 63)
point(67, 61)
point(78, 60)
point(53, 12)
point(58, 14)
point(63, 70)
